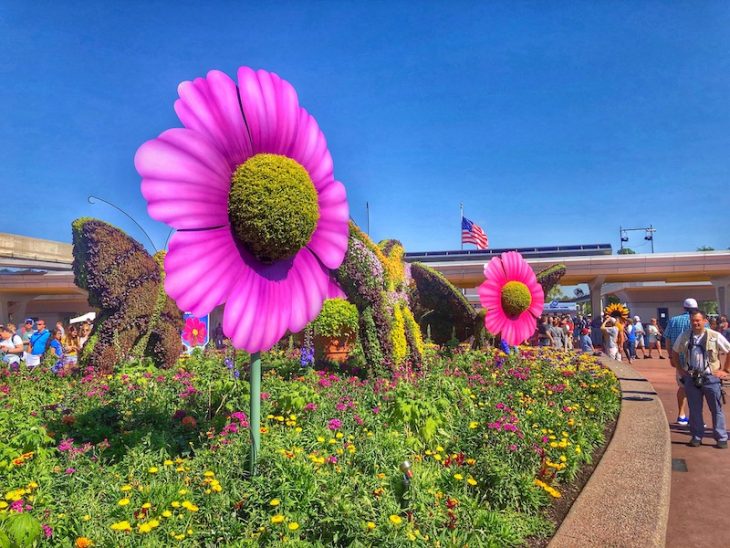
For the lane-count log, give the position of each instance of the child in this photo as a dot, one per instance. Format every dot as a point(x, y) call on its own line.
point(586, 345)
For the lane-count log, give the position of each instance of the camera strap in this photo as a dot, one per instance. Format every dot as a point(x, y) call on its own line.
point(701, 344)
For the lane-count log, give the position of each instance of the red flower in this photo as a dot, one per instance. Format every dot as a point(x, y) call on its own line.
point(194, 332)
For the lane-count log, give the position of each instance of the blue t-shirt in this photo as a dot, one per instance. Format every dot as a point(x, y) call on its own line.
point(57, 348)
point(38, 342)
point(586, 345)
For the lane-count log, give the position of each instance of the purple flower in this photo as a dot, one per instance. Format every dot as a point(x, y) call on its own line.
point(47, 531)
point(310, 407)
point(376, 410)
point(70, 470)
point(334, 424)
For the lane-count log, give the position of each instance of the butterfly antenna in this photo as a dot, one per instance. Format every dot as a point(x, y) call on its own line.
point(91, 199)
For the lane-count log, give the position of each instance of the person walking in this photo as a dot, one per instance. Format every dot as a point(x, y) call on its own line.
point(639, 331)
point(11, 346)
point(675, 327)
point(653, 339)
point(701, 372)
point(610, 331)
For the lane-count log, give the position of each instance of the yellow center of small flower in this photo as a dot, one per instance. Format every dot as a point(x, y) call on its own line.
point(272, 206)
point(516, 298)
point(195, 332)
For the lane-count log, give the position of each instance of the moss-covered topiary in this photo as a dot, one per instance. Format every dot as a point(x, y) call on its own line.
point(438, 303)
point(125, 282)
point(550, 277)
point(272, 206)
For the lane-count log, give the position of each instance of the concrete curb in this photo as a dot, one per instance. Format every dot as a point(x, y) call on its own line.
point(626, 500)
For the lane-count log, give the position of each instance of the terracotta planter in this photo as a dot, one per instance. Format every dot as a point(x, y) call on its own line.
point(334, 350)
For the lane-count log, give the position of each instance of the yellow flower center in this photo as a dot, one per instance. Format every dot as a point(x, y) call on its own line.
point(272, 206)
point(195, 332)
point(516, 298)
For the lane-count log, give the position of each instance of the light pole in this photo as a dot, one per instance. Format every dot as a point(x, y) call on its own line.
point(624, 237)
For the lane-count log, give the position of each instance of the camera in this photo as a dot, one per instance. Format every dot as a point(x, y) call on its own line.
point(697, 380)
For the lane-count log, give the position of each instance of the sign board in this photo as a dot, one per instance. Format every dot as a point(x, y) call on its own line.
point(196, 332)
point(558, 307)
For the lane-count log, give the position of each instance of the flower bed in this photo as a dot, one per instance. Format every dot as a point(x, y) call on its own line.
point(158, 457)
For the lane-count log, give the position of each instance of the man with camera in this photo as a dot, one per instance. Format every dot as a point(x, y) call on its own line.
point(701, 373)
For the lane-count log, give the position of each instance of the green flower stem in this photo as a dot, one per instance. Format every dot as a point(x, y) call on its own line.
point(255, 408)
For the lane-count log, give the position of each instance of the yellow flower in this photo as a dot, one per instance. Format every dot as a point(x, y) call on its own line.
point(298, 429)
point(458, 477)
point(180, 536)
point(126, 488)
point(147, 505)
point(473, 425)
point(87, 517)
point(167, 462)
point(471, 481)
point(166, 514)
point(3, 504)
point(293, 526)
point(175, 504)
point(182, 492)
point(144, 528)
point(153, 469)
point(121, 526)
point(190, 506)
point(370, 525)
point(320, 439)
point(123, 502)
point(395, 519)
point(208, 474)
point(278, 518)
point(275, 502)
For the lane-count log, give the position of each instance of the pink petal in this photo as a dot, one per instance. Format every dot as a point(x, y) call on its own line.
point(185, 180)
point(201, 269)
point(309, 286)
point(334, 291)
point(210, 106)
point(278, 125)
point(329, 240)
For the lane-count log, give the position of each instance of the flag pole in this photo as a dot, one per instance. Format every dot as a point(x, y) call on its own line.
point(461, 220)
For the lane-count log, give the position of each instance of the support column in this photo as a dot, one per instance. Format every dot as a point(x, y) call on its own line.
point(595, 288)
point(722, 293)
point(3, 309)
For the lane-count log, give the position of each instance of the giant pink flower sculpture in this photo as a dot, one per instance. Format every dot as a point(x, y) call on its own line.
point(512, 297)
point(248, 183)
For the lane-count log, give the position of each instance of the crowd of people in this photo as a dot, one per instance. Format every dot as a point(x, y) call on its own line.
point(34, 340)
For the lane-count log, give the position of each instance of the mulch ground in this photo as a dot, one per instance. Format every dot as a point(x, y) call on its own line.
point(557, 511)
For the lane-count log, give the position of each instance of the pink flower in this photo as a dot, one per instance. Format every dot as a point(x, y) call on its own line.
point(310, 407)
point(332, 459)
point(194, 332)
point(187, 180)
point(66, 444)
point(512, 297)
point(334, 424)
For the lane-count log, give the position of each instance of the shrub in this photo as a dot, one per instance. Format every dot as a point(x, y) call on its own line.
point(337, 320)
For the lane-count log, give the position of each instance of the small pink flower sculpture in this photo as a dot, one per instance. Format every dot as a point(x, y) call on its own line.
point(248, 183)
point(194, 332)
point(512, 297)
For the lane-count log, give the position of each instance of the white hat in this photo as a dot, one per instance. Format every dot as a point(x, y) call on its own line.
point(637, 319)
point(690, 303)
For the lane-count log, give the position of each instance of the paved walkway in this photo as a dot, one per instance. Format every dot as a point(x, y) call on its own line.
point(700, 497)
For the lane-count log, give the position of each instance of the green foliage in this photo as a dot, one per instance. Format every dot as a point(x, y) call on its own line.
point(272, 206)
point(626, 251)
point(473, 427)
point(19, 530)
point(338, 319)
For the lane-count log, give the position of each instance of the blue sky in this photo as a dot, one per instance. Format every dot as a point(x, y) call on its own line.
point(554, 124)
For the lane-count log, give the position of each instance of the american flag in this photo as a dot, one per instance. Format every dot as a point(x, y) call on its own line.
point(472, 233)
